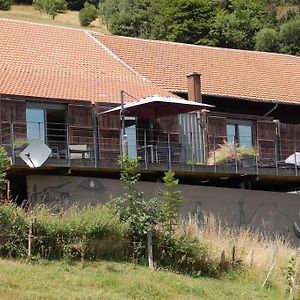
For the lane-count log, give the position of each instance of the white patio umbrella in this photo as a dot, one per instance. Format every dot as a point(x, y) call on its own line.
point(157, 107)
point(293, 159)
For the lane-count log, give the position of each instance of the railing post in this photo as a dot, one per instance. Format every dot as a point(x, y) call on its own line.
point(295, 157)
point(145, 149)
point(214, 147)
point(256, 159)
point(68, 147)
point(276, 146)
point(276, 156)
point(235, 153)
point(193, 151)
point(95, 136)
point(12, 139)
point(169, 152)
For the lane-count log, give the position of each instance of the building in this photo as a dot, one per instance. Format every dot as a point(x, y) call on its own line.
point(55, 82)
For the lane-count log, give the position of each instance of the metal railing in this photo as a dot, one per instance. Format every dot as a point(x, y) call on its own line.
point(156, 149)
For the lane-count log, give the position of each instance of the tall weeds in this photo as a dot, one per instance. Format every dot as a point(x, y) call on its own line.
point(254, 249)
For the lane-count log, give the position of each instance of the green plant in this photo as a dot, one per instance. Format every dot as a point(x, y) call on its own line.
point(290, 272)
point(170, 202)
point(226, 151)
point(14, 228)
point(6, 4)
point(183, 253)
point(4, 164)
point(51, 7)
point(88, 14)
point(140, 214)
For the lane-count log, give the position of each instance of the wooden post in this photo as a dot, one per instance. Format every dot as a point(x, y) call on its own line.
point(150, 249)
point(252, 257)
point(29, 252)
point(271, 268)
point(294, 281)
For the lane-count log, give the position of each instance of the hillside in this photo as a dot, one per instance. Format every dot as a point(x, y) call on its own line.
point(111, 280)
point(68, 18)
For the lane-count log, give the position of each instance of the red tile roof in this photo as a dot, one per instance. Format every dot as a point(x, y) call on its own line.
point(63, 63)
point(54, 62)
point(225, 72)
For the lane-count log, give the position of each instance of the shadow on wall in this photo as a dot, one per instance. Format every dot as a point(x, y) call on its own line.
point(269, 212)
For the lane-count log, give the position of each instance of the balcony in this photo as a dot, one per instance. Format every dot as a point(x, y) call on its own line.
point(156, 150)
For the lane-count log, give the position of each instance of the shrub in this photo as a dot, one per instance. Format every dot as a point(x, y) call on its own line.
point(88, 226)
point(183, 253)
point(4, 164)
point(6, 4)
point(93, 229)
point(88, 14)
point(14, 229)
point(51, 7)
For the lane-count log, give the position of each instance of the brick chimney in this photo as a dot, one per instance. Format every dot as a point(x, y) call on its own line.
point(194, 87)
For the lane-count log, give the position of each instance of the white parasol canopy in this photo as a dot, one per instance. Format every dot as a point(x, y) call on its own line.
point(158, 106)
point(293, 159)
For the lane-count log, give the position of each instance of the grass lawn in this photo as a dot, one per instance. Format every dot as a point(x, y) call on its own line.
point(111, 280)
point(68, 18)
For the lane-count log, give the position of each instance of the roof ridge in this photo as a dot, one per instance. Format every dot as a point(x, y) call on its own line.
point(153, 41)
point(202, 46)
point(41, 24)
point(115, 56)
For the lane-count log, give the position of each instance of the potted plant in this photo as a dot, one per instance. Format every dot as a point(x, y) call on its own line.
point(226, 153)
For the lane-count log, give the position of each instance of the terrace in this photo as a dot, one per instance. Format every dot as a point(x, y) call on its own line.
point(188, 153)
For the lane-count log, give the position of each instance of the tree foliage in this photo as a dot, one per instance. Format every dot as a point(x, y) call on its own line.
point(4, 164)
point(267, 39)
point(88, 14)
point(268, 25)
point(51, 7)
point(6, 4)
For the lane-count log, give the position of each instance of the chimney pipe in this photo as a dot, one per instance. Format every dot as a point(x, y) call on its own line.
point(194, 87)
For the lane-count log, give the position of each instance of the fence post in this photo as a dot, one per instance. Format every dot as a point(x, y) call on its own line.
point(150, 249)
point(29, 250)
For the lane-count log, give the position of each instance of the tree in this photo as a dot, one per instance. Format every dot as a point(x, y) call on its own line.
point(186, 21)
point(290, 36)
point(51, 7)
point(88, 14)
point(170, 202)
point(6, 4)
point(236, 26)
point(127, 17)
point(267, 39)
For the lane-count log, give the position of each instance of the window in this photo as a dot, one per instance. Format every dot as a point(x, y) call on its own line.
point(130, 131)
point(241, 132)
point(35, 118)
point(46, 122)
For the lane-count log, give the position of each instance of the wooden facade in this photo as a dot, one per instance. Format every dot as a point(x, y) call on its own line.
point(97, 136)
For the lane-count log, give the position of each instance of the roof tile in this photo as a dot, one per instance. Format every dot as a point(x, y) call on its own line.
point(225, 72)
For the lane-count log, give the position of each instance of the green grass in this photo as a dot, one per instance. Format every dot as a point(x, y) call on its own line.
point(67, 19)
point(111, 280)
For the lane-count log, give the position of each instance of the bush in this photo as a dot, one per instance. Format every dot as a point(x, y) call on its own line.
point(88, 14)
point(93, 229)
point(14, 229)
point(6, 4)
point(183, 253)
point(51, 7)
point(267, 39)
